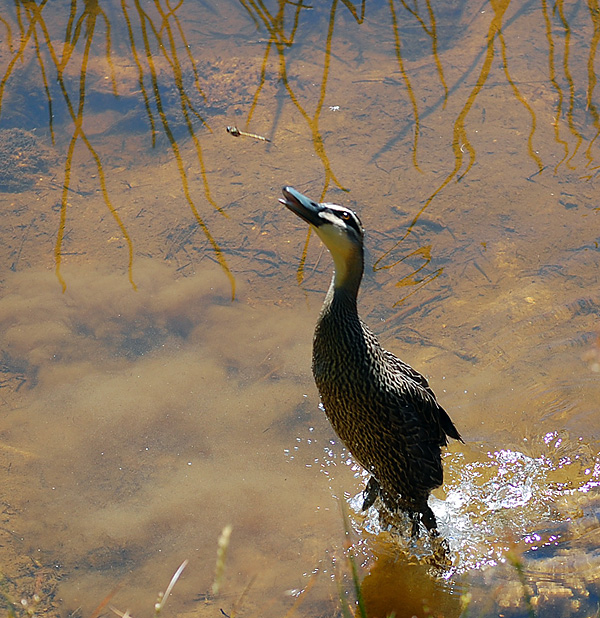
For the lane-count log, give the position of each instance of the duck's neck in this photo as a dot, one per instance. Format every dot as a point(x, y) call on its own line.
point(339, 333)
point(348, 273)
point(343, 291)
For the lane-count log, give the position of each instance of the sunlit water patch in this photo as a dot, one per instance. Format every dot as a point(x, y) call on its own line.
point(496, 501)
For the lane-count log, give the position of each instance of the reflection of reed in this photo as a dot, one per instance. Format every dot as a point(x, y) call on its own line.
point(521, 100)
point(567, 73)
point(80, 30)
point(167, 44)
point(275, 26)
point(431, 32)
point(461, 145)
point(594, 10)
point(555, 84)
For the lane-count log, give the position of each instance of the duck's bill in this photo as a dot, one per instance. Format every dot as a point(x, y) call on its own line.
point(299, 204)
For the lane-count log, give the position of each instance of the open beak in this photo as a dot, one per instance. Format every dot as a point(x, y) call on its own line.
point(299, 204)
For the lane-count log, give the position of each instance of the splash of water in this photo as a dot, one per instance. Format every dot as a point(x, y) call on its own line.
point(523, 497)
point(498, 500)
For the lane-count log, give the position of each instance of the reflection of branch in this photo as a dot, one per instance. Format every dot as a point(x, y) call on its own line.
point(188, 50)
point(145, 22)
point(25, 36)
point(186, 108)
point(313, 122)
point(522, 100)
point(261, 83)
point(45, 82)
point(431, 32)
point(525, 9)
point(552, 76)
point(317, 139)
point(275, 26)
point(168, 49)
point(8, 33)
point(173, 60)
point(91, 12)
point(569, 78)
point(352, 9)
point(34, 14)
point(434, 49)
point(460, 134)
point(409, 89)
point(140, 69)
point(460, 139)
point(590, 106)
point(81, 28)
point(113, 77)
point(411, 279)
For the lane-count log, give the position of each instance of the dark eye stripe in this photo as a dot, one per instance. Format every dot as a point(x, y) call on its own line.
point(352, 220)
point(349, 217)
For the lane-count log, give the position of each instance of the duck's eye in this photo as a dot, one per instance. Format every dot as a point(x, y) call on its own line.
point(346, 215)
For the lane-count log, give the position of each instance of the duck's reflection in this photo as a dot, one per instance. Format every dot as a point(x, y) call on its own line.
point(400, 586)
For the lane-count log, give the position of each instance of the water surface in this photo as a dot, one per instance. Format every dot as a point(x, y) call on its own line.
point(158, 303)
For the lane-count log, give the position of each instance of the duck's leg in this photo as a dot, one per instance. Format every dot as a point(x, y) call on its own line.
point(416, 520)
point(370, 494)
point(429, 520)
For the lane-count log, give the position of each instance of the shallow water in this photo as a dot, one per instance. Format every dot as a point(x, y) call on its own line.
point(158, 303)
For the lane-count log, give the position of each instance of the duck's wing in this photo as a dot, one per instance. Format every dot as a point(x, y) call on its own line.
point(421, 392)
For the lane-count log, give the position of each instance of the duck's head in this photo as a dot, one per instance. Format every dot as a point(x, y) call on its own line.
point(340, 230)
